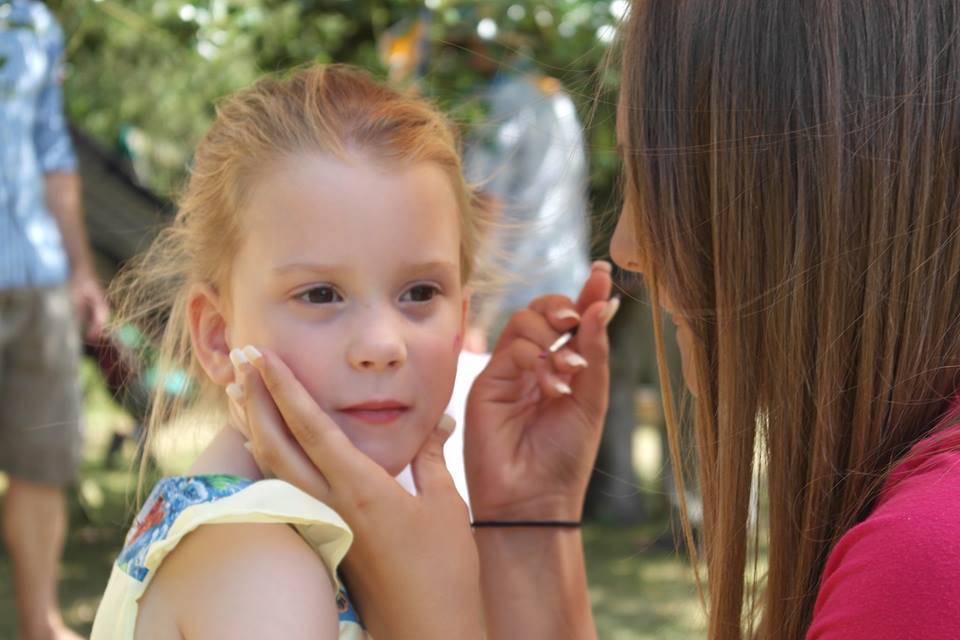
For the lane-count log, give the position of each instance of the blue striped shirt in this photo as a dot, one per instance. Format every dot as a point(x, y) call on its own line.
point(33, 141)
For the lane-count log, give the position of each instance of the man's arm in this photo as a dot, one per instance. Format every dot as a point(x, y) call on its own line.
point(63, 200)
point(62, 195)
point(534, 584)
point(61, 186)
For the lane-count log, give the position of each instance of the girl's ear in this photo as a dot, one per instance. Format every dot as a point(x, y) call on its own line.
point(208, 333)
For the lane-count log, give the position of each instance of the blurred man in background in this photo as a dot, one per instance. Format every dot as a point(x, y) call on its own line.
point(47, 285)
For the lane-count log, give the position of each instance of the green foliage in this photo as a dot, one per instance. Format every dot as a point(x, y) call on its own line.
point(145, 75)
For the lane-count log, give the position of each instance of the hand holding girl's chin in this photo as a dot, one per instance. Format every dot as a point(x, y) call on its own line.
point(435, 596)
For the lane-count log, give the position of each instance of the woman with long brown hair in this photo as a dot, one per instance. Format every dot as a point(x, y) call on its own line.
point(792, 182)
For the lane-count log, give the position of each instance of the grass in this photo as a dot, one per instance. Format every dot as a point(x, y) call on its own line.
point(640, 588)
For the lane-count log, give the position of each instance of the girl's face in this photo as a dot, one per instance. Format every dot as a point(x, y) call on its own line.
point(351, 274)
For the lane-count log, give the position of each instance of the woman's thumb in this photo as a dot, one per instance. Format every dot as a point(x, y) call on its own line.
point(429, 467)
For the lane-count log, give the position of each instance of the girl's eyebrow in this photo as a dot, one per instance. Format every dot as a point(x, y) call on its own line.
point(315, 267)
point(432, 265)
point(318, 267)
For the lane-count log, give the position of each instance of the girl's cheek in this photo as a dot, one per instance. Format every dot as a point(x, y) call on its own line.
point(309, 356)
point(442, 356)
point(315, 376)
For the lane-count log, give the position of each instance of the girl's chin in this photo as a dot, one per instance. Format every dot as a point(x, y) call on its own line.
point(392, 446)
point(385, 454)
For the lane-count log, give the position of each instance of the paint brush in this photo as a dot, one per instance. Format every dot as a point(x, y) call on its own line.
point(562, 341)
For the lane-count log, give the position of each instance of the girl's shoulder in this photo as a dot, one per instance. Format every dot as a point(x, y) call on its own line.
point(242, 580)
point(271, 539)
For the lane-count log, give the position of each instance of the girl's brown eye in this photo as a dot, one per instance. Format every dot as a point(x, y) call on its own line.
point(420, 293)
point(321, 295)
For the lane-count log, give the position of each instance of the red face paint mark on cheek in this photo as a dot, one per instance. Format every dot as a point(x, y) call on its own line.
point(458, 343)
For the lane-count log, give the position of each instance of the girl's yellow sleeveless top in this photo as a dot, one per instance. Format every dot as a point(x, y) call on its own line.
point(180, 504)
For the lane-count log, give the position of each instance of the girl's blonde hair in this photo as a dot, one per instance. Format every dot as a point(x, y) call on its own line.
point(331, 109)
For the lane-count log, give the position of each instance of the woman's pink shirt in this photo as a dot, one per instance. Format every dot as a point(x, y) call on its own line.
point(897, 573)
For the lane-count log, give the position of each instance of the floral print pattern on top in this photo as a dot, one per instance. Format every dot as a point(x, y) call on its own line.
point(167, 501)
point(345, 610)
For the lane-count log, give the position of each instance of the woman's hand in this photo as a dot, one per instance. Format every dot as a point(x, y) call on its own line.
point(413, 568)
point(534, 418)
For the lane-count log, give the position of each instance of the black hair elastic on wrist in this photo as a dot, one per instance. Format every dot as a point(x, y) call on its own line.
point(563, 524)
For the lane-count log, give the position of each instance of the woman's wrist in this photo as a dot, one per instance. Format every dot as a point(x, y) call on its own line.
point(563, 507)
point(526, 524)
point(534, 583)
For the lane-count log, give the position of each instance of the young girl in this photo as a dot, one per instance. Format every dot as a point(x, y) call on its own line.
point(327, 223)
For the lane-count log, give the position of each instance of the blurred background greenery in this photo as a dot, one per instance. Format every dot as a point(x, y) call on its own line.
point(143, 75)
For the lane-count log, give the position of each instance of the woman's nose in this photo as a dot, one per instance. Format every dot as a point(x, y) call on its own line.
point(624, 248)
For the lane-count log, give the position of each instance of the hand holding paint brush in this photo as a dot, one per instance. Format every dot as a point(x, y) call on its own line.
point(538, 404)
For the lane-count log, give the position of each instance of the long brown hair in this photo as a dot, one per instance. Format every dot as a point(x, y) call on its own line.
point(794, 176)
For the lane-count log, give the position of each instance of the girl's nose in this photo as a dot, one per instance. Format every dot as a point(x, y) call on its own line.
point(377, 347)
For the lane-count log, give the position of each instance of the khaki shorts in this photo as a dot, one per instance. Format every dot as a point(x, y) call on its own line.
point(39, 386)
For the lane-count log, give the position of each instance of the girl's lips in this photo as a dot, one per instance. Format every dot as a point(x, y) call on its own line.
point(376, 412)
point(375, 416)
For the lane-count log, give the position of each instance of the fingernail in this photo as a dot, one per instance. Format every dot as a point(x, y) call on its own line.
point(447, 424)
point(575, 359)
point(613, 305)
point(235, 390)
point(248, 446)
point(559, 342)
point(602, 265)
point(251, 353)
point(237, 357)
point(563, 314)
point(562, 387)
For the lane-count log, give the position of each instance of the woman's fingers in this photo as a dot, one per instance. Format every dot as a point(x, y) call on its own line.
point(598, 286)
point(429, 467)
point(551, 321)
point(539, 340)
point(568, 362)
point(271, 444)
point(521, 357)
point(592, 343)
point(321, 439)
point(539, 323)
